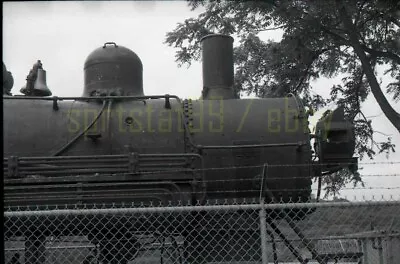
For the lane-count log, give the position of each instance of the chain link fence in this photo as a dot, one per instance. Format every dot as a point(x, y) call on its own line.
point(365, 232)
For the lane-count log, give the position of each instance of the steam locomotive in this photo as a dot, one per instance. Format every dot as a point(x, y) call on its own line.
point(115, 145)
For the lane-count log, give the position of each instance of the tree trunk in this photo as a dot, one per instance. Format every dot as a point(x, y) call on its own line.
point(376, 90)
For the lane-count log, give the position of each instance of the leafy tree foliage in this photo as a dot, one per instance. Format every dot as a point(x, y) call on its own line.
point(320, 39)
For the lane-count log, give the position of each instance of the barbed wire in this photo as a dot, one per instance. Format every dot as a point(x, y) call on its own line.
point(283, 194)
point(373, 201)
point(233, 180)
point(288, 193)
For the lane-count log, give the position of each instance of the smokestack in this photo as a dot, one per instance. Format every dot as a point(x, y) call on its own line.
point(217, 67)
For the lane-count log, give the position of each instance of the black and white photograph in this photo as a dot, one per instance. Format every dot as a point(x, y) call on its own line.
point(201, 132)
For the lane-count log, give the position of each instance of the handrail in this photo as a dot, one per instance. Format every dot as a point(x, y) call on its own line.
point(90, 98)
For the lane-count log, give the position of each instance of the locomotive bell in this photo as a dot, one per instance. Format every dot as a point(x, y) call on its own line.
point(36, 82)
point(113, 70)
point(40, 87)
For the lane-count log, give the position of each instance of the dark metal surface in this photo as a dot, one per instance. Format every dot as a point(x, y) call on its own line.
point(36, 82)
point(236, 138)
point(336, 142)
point(240, 136)
point(113, 69)
point(217, 54)
point(8, 81)
point(104, 178)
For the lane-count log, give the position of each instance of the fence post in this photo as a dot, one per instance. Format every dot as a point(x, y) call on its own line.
point(364, 250)
point(380, 250)
point(263, 231)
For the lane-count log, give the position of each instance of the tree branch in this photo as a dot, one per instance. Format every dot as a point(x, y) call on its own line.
point(394, 21)
point(384, 134)
point(387, 109)
point(359, 13)
point(373, 52)
point(268, 29)
point(358, 94)
point(318, 53)
point(385, 54)
point(373, 142)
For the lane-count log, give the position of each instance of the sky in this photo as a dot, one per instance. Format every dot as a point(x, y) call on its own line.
point(62, 34)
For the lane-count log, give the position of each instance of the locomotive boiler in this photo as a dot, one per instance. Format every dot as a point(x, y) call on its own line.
point(115, 144)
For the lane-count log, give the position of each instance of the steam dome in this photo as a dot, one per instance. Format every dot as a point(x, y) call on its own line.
point(113, 70)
